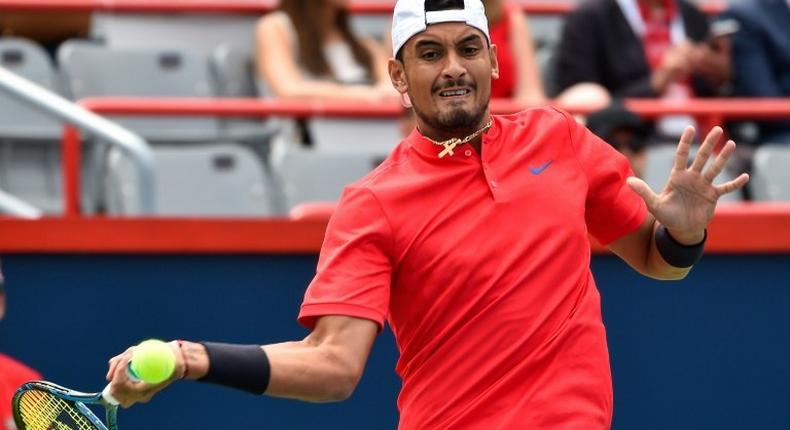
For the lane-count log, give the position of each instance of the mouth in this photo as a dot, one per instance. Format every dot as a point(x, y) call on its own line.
point(454, 93)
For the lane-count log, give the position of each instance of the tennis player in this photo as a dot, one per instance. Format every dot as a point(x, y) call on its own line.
point(471, 240)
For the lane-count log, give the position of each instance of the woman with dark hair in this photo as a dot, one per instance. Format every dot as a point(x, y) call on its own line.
point(307, 49)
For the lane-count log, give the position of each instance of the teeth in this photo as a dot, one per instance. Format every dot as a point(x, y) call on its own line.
point(453, 93)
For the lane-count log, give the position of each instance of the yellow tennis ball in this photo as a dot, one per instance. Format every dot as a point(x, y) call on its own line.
point(152, 361)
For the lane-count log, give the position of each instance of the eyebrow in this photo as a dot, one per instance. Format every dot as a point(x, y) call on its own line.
point(474, 37)
point(424, 43)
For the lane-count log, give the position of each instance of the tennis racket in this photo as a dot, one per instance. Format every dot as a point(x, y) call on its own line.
point(41, 405)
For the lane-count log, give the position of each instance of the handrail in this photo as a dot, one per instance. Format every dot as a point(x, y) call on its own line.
point(537, 7)
point(58, 107)
point(13, 206)
point(708, 112)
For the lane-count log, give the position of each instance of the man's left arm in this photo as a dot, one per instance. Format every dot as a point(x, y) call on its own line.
point(672, 237)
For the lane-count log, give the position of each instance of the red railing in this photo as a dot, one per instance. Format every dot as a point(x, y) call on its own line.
point(708, 112)
point(538, 7)
point(736, 228)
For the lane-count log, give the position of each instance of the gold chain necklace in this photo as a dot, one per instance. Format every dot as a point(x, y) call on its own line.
point(450, 144)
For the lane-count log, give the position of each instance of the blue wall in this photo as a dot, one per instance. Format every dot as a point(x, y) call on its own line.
point(710, 352)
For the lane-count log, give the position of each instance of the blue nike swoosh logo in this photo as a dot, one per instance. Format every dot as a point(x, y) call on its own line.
point(538, 170)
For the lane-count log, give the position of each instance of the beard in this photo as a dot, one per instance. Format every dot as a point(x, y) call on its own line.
point(455, 119)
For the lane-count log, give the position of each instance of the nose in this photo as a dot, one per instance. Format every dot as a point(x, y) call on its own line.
point(453, 68)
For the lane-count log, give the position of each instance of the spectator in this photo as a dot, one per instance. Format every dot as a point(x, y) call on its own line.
point(638, 48)
point(761, 57)
point(306, 50)
point(12, 375)
point(519, 75)
point(625, 131)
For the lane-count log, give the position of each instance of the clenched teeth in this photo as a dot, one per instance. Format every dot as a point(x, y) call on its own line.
point(454, 93)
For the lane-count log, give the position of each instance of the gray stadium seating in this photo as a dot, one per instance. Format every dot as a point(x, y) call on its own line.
point(310, 175)
point(770, 179)
point(203, 166)
point(29, 139)
point(354, 135)
point(234, 73)
point(223, 179)
point(94, 70)
point(29, 60)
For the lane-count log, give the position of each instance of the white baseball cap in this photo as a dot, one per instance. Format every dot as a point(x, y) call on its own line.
point(410, 18)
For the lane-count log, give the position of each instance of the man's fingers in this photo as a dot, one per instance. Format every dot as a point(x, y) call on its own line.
point(733, 185)
point(640, 187)
point(706, 149)
point(111, 371)
point(113, 363)
point(684, 146)
point(721, 160)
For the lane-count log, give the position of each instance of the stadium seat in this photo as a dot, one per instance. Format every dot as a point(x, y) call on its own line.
point(94, 70)
point(220, 179)
point(364, 135)
point(308, 175)
point(29, 139)
point(770, 179)
point(234, 72)
point(17, 119)
point(237, 189)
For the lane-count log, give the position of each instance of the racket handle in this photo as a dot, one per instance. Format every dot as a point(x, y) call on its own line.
point(108, 397)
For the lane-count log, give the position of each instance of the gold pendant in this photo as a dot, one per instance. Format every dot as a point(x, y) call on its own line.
point(449, 146)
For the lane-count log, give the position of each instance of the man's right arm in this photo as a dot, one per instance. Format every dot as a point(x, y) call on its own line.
point(325, 366)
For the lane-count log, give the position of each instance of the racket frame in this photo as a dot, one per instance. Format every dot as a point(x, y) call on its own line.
point(77, 398)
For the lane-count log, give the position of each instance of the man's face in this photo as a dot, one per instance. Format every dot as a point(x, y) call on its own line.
point(447, 71)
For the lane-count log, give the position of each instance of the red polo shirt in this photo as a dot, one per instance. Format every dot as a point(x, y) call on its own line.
point(481, 266)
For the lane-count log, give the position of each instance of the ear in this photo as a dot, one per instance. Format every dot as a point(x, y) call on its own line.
point(398, 75)
point(494, 62)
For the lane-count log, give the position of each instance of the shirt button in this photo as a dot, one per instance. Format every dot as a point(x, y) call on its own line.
point(493, 184)
point(468, 153)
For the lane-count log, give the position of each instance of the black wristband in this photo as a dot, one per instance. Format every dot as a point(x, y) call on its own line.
point(243, 367)
point(676, 253)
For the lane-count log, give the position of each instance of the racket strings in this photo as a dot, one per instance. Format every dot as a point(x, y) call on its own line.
point(42, 411)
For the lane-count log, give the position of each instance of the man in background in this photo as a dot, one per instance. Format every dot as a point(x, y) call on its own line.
point(761, 57)
point(665, 49)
